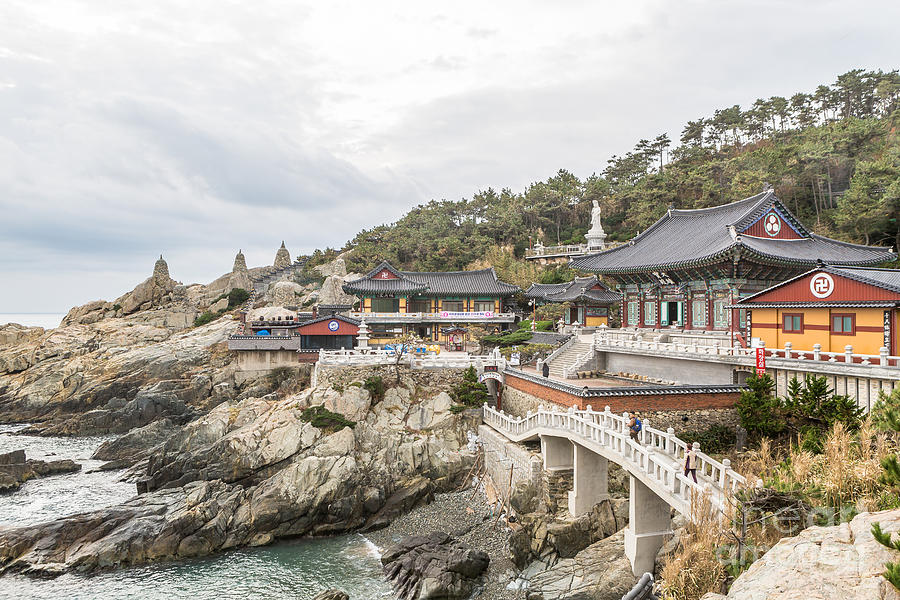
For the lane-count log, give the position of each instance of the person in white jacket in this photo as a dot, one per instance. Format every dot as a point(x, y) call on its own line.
point(690, 463)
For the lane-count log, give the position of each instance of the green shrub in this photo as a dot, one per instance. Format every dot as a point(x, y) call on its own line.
point(237, 297)
point(206, 317)
point(117, 307)
point(758, 407)
point(356, 384)
point(469, 392)
point(375, 385)
point(718, 439)
point(338, 388)
point(510, 339)
point(458, 408)
point(322, 418)
point(808, 405)
point(540, 326)
point(885, 406)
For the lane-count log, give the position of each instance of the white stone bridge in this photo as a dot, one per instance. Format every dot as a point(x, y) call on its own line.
point(586, 440)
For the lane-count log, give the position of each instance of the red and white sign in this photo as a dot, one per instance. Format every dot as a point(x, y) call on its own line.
point(760, 361)
point(821, 285)
point(467, 315)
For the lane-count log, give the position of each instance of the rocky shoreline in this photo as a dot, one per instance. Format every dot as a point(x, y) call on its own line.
point(466, 516)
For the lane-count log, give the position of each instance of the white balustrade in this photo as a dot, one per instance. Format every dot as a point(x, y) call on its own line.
point(657, 458)
point(605, 340)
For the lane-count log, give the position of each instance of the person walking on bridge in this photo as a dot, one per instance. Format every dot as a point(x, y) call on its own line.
point(690, 462)
point(634, 428)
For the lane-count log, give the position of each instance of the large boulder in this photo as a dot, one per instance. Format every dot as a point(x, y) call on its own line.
point(286, 293)
point(13, 333)
point(547, 538)
point(599, 572)
point(843, 561)
point(136, 444)
point(433, 566)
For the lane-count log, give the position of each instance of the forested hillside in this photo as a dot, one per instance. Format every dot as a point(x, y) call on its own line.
point(832, 154)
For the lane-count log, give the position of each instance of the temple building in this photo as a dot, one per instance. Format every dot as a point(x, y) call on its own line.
point(430, 305)
point(832, 307)
point(691, 265)
point(590, 301)
point(279, 337)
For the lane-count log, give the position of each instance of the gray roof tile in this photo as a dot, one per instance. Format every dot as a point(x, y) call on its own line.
point(571, 291)
point(432, 283)
point(686, 237)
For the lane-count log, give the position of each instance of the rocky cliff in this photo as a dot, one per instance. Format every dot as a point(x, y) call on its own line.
point(256, 470)
point(115, 374)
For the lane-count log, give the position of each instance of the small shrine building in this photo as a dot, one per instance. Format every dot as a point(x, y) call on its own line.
point(590, 301)
point(691, 265)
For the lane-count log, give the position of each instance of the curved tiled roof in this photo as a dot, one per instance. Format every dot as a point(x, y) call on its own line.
point(432, 283)
point(571, 291)
point(683, 238)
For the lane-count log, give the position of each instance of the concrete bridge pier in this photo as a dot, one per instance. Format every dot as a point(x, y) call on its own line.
point(557, 453)
point(590, 476)
point(649, 521)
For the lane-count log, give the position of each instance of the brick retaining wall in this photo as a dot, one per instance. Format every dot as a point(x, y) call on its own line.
point(663, 409)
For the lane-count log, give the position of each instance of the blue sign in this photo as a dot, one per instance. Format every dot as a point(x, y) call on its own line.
point(333, 325)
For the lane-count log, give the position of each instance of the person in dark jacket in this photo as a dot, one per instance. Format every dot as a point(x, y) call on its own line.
point(545, 370)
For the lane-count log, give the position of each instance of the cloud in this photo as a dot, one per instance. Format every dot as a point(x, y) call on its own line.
point(196, 129)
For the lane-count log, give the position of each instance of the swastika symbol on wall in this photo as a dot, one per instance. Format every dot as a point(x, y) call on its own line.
point(821, 285)
point(772, 224)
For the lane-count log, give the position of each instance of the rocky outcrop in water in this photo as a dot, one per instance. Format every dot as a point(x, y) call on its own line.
point(821, 563)
point(433, 566)
point(134, 446)
point(15, 469)
point(253, 471)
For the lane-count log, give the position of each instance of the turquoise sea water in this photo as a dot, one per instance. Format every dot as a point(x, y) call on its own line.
point(296, 569)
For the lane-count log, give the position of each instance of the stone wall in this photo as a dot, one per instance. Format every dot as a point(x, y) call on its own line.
point(556, 488)
point(500, 455)
point(441, 379)
point(684, 371)
point(264, 360)
point(702, 409)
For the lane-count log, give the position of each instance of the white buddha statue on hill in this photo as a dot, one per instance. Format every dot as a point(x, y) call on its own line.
point(596, 237)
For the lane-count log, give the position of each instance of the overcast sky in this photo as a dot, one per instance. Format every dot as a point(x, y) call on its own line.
point(192, 129)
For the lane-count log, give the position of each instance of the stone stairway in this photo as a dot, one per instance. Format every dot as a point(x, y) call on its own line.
point(568, 357)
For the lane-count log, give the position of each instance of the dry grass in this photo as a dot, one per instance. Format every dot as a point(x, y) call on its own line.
point(845, 475)
point(695, 567)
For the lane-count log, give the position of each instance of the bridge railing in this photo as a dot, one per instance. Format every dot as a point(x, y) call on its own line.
point(659, 454)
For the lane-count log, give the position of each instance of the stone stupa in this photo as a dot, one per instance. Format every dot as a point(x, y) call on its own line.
point(282, 258)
